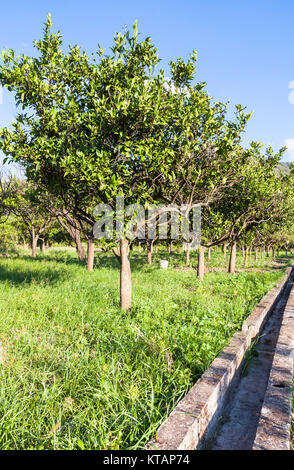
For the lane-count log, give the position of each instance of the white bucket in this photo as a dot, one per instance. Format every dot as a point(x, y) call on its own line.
point(163, 264)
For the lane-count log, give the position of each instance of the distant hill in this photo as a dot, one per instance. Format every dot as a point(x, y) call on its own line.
point(284, 167)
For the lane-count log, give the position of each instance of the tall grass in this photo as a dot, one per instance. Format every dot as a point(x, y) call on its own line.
point(77, 373)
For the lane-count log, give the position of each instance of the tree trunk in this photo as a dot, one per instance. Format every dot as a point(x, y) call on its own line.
point(42, 246)
point(267, 251)
point(73, 228)
point(79, 246)
point(125, 276)
point(256, 254)
point(201, 263)
point(34, 243)
point(246, 256)
point(232, 263)
point(188, 249)
point(90, 255)
point(149, 252)
point(80, 250)
point(243, 251)
point(225, 250)
point(209, 253)
point(261, 251)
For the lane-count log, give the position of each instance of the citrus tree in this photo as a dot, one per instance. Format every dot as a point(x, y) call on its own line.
point(91, 130)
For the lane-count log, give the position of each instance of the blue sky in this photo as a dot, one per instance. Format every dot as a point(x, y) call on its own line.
point(245, 48)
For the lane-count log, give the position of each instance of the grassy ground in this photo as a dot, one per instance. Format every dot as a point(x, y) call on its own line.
point(78, 373)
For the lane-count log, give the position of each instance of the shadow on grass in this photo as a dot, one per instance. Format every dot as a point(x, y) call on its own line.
point(281, 263)
point(56, 259)
point(17, 276)
point(104, 260)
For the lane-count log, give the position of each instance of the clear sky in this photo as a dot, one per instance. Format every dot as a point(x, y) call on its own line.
point(245, 48)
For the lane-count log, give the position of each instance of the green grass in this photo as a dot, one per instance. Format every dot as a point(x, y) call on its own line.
point(79, 373)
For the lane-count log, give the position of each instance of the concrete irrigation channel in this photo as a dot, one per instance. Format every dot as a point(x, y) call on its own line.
point(243, 400)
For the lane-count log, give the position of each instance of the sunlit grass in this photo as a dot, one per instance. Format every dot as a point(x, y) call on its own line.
point(79, 373)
